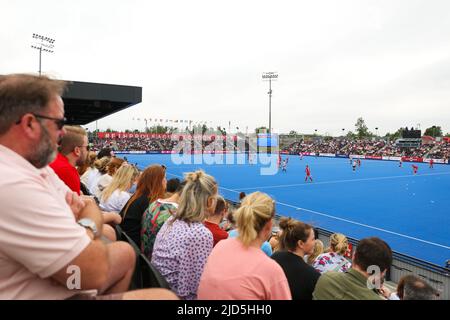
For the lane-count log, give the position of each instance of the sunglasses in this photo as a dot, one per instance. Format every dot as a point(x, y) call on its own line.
point(59, 122)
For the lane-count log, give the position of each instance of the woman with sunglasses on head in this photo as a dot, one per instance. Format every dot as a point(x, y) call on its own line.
point(183, 243)
point(237, 268)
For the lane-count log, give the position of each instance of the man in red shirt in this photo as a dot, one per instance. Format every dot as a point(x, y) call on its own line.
point(73, 151)
point(213, 221)
point(431, 163)
point(415, 168)
point(308, 174)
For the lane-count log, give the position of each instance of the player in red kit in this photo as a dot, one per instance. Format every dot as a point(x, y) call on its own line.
point(415, 168)
point(308, 174)
point(431, 163)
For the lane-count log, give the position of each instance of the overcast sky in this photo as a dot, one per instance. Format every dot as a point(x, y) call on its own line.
point(202, 60)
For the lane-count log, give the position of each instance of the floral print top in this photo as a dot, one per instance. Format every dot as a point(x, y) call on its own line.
point(331, 261)
point(180, 253)
point(152, 220)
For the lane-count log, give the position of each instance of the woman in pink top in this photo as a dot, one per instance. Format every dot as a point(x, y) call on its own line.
point(237, 268)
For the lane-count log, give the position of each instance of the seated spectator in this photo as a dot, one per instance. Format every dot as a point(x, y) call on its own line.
point(87, 166)
point(353, 285)
point(274, 239)
point(318, 250)
point(47, 228)
point(85, 170)
point(105, 152)
point(155, 216)
point(94, 175)
point(116, 195)
point(172, 186)
point(150, 187)
point(73, 150)
point(212, 222)
point(265, 246)
point(412, 287)
point(334, 259)
point(228, 223)
point(241, 196)
point(111, 168)
point(296, 240)
point(237, 269)
point(183, 244)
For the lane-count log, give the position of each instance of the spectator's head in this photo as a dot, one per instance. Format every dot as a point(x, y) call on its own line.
point(172, 185)
point(372, 252)
point(411, 287)
point(105, 152)
point(31, 116)
point(241, 196)
point(296, 236)
point(74, 145)
point(318, 250)
point(152, 183)
point(113, 165)
point(102, 164)
point(198, 198)
point(221, 207)
point(89, 163)
point(338, 243)
point(254, 217)
point(122, 180)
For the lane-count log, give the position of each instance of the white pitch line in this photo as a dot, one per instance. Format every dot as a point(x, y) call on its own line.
point(342, 181)
point(356, 223)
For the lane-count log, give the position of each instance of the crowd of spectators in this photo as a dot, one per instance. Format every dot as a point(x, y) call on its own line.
point(343, 146)
point(437, 150)
point(49, 224)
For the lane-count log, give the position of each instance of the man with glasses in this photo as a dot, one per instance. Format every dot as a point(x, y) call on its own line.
point(51, 245)
point(73, 151)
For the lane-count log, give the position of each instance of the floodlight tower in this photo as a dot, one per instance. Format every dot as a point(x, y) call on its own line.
point(42, 43)
point(270, 76)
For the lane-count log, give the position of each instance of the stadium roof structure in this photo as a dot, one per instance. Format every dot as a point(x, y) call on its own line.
point(85, 102)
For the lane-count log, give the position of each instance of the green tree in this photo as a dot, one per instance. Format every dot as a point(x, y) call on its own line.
point(434, 131)
point(350, 135)
point(361, 129)
point(257, 130)
point(394, 136)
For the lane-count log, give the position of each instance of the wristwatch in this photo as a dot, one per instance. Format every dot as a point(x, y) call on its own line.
point(89, 224)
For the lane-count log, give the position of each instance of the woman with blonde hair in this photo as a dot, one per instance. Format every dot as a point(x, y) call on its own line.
point(111, 168)
point(296, 241)
point(318, 250)
point(237, 268)
point(116, 195)
point(334, 259)
point(183, 243)
point(99, 169)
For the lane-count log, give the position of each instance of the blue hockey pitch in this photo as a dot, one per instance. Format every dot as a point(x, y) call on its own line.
point(410, 212)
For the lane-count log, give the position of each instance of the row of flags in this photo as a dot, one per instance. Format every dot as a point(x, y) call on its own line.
point(164, 120)
point(156, 120)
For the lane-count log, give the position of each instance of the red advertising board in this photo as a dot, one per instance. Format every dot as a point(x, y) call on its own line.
point(412, 159)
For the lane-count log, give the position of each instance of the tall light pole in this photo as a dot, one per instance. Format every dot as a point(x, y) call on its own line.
point(270, 76)
point(42, 43)
point(377, 131)
point(343, 129)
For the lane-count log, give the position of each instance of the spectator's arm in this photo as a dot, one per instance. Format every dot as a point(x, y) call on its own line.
point(93, 267)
